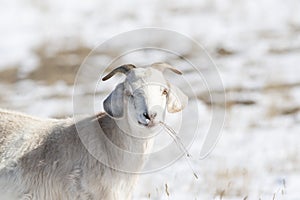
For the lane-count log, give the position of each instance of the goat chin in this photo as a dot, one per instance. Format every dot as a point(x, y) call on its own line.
point(46, 159)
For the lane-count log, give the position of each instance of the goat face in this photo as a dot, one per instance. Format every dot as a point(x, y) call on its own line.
point(144, 96)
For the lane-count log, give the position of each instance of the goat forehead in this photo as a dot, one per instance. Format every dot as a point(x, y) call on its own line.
point(145, 76)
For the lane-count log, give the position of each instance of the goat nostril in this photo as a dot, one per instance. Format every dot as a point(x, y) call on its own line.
point(153, 115)
point(146, 115)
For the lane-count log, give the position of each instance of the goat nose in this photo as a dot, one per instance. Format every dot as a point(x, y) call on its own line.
point(150, 116)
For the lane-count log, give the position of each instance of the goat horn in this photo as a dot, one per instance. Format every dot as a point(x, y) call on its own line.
point(122, 69)
point(163, 66)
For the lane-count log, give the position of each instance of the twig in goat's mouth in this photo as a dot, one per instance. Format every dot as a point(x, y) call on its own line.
point(179, 143)
point(175, 137)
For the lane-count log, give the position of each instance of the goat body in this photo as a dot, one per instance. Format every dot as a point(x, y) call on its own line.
point(45, 159)
point(48, 159)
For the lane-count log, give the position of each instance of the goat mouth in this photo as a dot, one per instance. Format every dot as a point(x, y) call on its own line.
point(148, 125)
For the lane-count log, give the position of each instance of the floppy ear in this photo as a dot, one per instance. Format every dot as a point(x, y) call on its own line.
point(177, 100)
point(114, 103)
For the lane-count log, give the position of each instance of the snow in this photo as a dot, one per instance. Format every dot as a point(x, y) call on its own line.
point(257, 155)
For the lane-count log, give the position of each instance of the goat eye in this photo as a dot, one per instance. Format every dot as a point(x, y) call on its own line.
point(165, 92)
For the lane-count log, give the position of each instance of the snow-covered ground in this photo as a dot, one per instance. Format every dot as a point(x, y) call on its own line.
point(256, 45)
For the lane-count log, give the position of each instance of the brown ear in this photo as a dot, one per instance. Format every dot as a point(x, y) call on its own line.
point(177, 100)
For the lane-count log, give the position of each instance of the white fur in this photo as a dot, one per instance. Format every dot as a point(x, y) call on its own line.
point(45, 159)
point(49, 159)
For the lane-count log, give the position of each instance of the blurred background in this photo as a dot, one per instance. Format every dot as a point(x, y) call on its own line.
point(255, 44)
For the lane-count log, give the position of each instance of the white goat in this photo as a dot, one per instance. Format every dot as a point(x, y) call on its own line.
point(45, 159)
